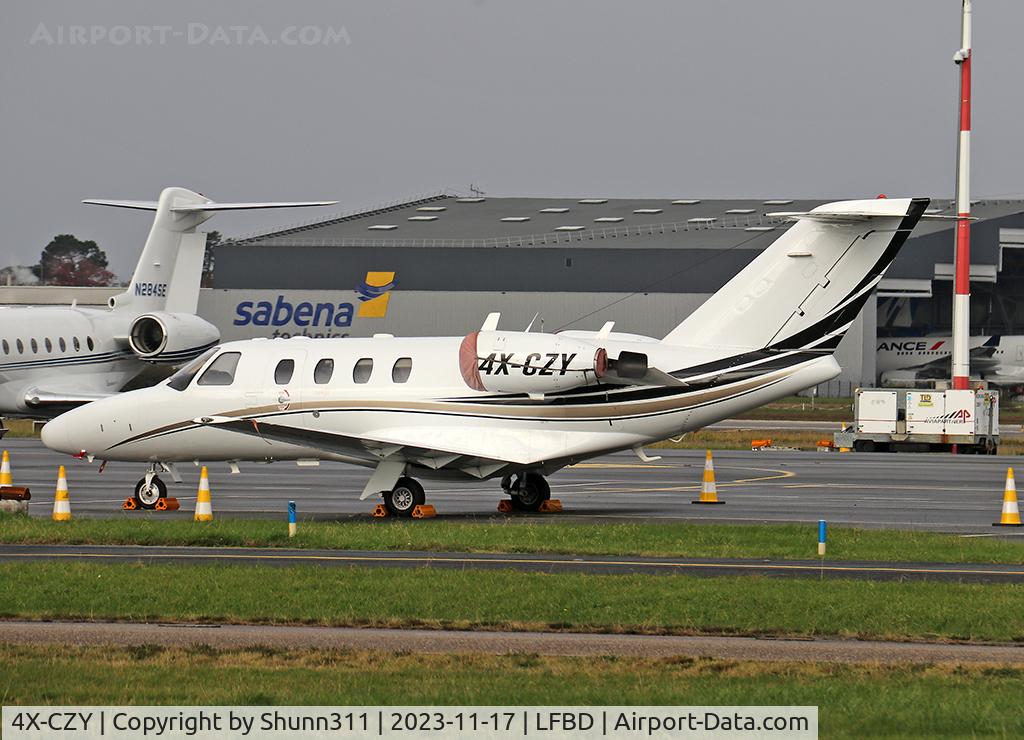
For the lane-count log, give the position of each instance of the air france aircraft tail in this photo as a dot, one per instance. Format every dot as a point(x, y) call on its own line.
point(168, 273)
point(807, 288)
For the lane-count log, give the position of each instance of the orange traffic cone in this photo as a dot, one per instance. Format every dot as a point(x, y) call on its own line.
point(1011, 514)
point(708, 490)
point(5, 471)
point(204, 507)
point(61, 502)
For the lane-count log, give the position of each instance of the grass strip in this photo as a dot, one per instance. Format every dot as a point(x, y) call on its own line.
point(773, 541)
point(512, 600)
point(854, 701)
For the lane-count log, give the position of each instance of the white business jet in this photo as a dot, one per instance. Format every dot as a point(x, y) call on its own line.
point(508, 404)
point(53, 358)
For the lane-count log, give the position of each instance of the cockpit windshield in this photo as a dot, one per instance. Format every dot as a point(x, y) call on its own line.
point(180, 380)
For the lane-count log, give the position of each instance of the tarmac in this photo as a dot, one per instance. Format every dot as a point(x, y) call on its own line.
point(933, 492)
point(238, 637)
point(529, 562)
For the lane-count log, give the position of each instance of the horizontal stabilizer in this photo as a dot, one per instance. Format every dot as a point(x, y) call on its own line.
point(151, 205)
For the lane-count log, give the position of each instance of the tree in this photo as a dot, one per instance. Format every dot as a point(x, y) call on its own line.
point(67, 260)
point(212, 240)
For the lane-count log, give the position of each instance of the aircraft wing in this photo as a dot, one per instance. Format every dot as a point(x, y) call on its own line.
point(475, 449)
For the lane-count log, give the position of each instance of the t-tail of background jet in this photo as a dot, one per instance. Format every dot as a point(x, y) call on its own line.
point(164, 291)
point(806, 289)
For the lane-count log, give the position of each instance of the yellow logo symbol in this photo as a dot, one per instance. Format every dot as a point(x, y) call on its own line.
point(374, 293)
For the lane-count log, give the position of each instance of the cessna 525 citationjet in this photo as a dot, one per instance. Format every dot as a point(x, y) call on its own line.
point(53, 358)
point(507, 404)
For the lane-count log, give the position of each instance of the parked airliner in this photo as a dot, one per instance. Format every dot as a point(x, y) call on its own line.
point(994, 358)
point(510, 405)
point(53, 358)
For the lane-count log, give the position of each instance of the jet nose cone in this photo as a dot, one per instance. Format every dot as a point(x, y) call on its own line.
point(56, 435)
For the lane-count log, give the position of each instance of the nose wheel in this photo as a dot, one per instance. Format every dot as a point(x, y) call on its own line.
point(149, 490)
point(404, 497)
point(528, 491)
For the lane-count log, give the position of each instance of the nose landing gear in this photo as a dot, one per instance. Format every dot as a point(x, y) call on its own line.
point(149, 490)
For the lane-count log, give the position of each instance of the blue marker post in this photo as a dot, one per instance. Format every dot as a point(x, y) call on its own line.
point(821, 538)
point(292, 526)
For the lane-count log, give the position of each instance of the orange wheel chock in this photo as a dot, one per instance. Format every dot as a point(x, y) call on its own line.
point(760, 444)
point(551, 506)
point(505, 506)
point(130, 504)
point(380, 511)
point(423, 511)
point(167, 504)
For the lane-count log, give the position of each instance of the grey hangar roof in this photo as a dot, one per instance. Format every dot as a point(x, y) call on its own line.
point(673, 245)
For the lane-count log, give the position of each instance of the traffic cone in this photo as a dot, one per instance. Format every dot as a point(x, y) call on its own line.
point(5, 471)
point(204, 507)
point(1011, 514)
point(61, 502)
point(708, 491)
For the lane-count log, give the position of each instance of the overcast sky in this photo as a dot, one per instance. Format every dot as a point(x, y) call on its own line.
point(237, 99)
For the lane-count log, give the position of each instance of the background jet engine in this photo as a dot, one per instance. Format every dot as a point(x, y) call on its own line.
point(172, 338)
point(524, 362)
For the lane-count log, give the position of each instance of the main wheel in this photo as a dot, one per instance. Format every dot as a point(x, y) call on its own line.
point(530, 491)
point(404, 497)
point(147, 496)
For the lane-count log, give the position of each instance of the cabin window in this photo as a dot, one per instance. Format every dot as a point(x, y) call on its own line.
point(88, 343)
point(35, 346)
point(21, 347)
point(363, 370)
point(401, 370)
point(283, 371)
point(78, 345)
point(323, 371)
point(63, 345)
point(221, 371)
point(49, 344)
point(7, 348)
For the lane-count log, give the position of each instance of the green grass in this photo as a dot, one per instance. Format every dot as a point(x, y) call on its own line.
point(512, 600)
point(775, 541)
point(853, 701)
point(20, 428)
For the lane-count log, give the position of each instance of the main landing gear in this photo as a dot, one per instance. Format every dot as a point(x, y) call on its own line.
point(528, 491)
point(404, 497)
point(149, 490)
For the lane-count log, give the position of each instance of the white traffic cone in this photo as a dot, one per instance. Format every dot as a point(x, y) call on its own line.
point(708, 490)
point(204, 507)
point(5, 471)
point(61, 502)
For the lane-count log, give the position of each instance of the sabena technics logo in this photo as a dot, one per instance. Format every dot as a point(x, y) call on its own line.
point(373, 294)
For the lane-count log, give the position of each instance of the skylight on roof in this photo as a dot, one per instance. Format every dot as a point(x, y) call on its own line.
point(554, 210)
point(592, 201)
point(422, 218)
point(740, 210)
point(383, 227)
point(516, 219)
point(780, 202)
point(686, 202)
point(760, 228)
point(432, 209)
point(470, 200)
point(702, 220)
point(569, 228)
point(646, 210)
point(608, 219)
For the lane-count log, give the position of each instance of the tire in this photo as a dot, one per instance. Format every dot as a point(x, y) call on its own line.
point(529, 492)
point(404, 497)
point(146, 499)
point(864, 445)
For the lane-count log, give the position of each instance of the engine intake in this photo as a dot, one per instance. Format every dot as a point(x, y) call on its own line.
point(171, 337)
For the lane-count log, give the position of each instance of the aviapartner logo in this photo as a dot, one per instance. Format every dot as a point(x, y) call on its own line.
point(374, 292)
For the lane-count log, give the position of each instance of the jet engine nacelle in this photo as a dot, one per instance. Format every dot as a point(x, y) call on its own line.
point(524, 362)
point(173, 338)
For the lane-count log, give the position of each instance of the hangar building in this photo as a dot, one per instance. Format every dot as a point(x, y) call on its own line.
point(439, 264)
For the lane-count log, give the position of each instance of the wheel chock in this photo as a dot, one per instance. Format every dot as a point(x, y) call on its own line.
point(167, 504)
point(759, 444)
point(505, 506)
point(130, 504)
point(551, 506)
point(14, 493)
point(423, 511)
point(380, 511)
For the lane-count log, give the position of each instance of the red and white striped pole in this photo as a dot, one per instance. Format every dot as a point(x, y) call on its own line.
point(962, 271)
